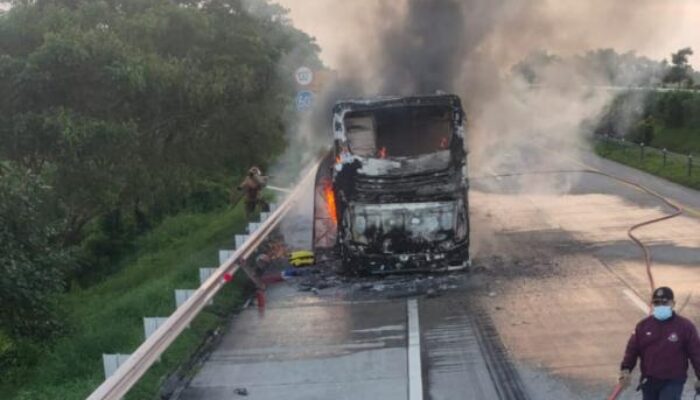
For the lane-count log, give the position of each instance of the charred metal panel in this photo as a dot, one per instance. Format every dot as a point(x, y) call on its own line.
point(399, 185)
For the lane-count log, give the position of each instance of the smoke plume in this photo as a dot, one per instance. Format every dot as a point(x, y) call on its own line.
point(468, 47)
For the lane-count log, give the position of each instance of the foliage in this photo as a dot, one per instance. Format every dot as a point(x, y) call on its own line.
point(31, 263)
point(115, 115)
point(104, 319)
point(675, 168)
point(533, 66)
point(130, 104)
point(120, 113)
point(680, 71)
point(602, 67)
point(673, 115)
point(643, 132)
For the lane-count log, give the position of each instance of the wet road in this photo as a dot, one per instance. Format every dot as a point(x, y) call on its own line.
point(556, 289)
point(569, 284)
point(310, 351)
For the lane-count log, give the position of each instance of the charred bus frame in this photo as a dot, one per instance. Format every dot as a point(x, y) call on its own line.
point(393, 194)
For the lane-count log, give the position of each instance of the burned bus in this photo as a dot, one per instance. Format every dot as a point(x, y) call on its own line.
point(391, 196)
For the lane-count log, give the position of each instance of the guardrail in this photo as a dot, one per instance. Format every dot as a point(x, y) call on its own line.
point(681, 168)
point(129, 373)
point(687, 163)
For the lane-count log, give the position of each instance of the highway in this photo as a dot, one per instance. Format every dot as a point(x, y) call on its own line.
point(555, 290)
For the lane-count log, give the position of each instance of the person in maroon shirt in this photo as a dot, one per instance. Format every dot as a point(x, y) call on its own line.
point(664, 342)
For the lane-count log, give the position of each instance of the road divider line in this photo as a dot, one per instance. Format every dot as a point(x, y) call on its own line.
point(637, 301)
point(415, 371)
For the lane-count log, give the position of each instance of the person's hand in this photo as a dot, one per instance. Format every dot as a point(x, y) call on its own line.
point(625, 378)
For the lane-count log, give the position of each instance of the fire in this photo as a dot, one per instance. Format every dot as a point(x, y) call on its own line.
point(382, 152)
point(329, 195)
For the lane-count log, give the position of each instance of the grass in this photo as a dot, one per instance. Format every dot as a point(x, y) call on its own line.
point(107, 318)
point(675, 169)
point(680, 140)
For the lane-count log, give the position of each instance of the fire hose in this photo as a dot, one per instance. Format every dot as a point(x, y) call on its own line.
point(619, 388)
point(678, 210)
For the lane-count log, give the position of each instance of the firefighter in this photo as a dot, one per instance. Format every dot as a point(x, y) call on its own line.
point(664, 342)
point(252, 187)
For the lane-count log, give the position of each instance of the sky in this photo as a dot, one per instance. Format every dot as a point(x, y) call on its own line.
point(653, 28)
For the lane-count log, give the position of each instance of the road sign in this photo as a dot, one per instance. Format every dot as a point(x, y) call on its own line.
point(304, 100)
point(304, 76)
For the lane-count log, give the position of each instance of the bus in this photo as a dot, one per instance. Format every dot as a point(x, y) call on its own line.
point(392, 195)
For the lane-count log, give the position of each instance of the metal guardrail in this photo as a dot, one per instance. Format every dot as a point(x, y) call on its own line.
point(131, 371)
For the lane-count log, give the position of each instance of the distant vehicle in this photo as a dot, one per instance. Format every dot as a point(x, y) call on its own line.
point(393, 194)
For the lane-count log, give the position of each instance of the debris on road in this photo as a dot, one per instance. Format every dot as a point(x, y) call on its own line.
point(392, 286)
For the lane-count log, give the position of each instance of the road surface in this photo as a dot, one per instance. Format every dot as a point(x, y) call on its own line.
point(556, 289)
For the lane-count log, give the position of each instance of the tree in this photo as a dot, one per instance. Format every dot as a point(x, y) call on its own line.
point(31, 261)
point(122, 111)
point(130, 104)
point(680, 71)
point(643, 132)
point(534, 66)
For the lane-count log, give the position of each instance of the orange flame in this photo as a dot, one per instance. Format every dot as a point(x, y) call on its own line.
point(382, 152)
point(329, 195)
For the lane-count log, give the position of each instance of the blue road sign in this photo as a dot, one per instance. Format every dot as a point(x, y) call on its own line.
point(304, 100)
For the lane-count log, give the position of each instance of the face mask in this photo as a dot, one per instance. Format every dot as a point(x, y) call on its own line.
point(662, 313)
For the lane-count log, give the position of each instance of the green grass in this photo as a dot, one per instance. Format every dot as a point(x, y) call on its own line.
point(675, 170)
point(679, 140)
point(107, 318)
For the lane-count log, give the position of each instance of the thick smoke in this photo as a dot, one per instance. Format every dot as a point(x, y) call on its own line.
point(420, 55)
point(468, 47)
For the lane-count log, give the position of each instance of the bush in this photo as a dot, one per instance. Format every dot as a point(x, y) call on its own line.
point(32, 263)
point(642, 132)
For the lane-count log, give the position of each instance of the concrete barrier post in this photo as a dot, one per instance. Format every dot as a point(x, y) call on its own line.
point(151, 324)
point(224, 255)
point(253, 226)
point(240, 240)
point(204, 274)
point(111, 363)
point(182, 295)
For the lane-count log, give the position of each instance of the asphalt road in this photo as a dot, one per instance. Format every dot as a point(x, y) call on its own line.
point(555, 290)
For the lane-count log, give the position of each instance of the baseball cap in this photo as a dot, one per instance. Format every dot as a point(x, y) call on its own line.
point(662, 293)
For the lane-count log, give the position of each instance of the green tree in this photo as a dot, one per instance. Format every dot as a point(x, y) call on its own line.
point(31, 261)
point(128, 110)
point(680, 72)
point(643, 132)
point(131, 104)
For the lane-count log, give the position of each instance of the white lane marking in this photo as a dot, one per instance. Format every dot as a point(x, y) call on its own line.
point(381, 329)
point(415, 375)
point(637, 301)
